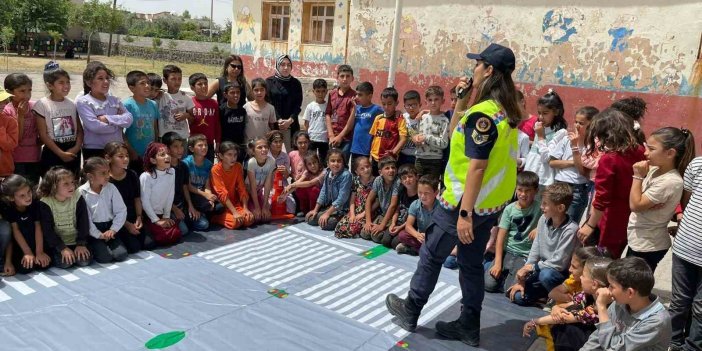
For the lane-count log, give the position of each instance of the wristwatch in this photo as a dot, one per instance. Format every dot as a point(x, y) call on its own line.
point(463, 213)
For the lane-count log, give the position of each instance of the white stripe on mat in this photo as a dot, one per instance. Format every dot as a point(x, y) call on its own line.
point(304, 262)
point(382, 309)
point(88, 270)
point(327, 261)
point(21, 287)
point(380, 275)
point(256, 258)
point(66, 275)
point(284, 263)
point(336, 242)
point(109, 266)
point(343, 282)
point(335, 278)
point(404, 285)
point(42, 279)
point(239, 243)
point(358, 296)
point(272, 242)
point(4, 297)
point(263, 251)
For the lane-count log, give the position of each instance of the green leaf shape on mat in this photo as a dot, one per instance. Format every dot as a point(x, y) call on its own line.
point(374, 252)
point(164, 340)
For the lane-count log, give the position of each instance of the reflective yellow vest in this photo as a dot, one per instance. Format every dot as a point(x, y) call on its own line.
point(500, 178)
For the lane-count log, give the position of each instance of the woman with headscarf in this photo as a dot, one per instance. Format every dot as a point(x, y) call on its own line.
point(233, 71)
point(285, 94)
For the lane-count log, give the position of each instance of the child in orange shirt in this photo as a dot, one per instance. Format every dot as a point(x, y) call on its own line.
point(227, 178)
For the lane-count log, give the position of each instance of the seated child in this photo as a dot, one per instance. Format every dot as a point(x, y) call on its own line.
point(22, 212)
point(199, 166)
point(301, 144)
point(386, 189)
point(351, 224)
point(157, 193)
point(183, 210)
point(228, 184)
point(106, 211)
point(570, 323)
point(637, 319)
point(551, 250)
point(564, 292)
point(333, 200)
point(259, 179)
point(282, 162)
point(419, 216)
point(513, 241)
point(406, 196)
point(309, 184)
point(64, 219)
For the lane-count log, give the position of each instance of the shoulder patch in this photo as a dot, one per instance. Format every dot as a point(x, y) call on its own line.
point(483, 124)
point(479, 138)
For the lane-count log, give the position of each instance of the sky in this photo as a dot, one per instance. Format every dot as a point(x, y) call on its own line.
point(197, 8)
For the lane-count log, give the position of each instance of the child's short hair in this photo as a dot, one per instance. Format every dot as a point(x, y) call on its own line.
point(411, 95)
point(387, 161)
point(155, 80)
point(598, 267)
point(319, 84)
point(171, 137)
point(196, 138)
point(528, 179)
point(585, 253)
point(16, 80)
point(434, 90)
point(171, 69)
point(407, 168)
point(227, 146)
point(430, 180)
point(559, 194)
point(196, 77)
point(357, 162)
point(588, 111)
point(344, 69)
point(231, 85)
point(632, 272)
point(365, 87)
point(50, 181)
point(133, 77)
point(390, 92)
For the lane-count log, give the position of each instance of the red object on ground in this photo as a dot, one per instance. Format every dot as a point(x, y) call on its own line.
point(278, 210)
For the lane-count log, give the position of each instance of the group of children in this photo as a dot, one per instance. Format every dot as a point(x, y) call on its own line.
point(604, 173)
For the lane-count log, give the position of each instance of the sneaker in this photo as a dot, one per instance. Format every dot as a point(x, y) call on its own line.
point(300, 215)
point(456, 330)
point(396, 307)
point(451, 262)
point(549, 305)
point(403, 249)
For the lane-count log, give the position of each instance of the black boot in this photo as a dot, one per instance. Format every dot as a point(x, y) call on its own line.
point(466, 329)
point(398, 308)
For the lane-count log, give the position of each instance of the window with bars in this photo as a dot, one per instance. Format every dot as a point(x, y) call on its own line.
point(276, 20)
point(318, 23)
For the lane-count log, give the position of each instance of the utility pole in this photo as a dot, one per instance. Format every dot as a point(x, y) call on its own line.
point(211, 15)
point(109, 45)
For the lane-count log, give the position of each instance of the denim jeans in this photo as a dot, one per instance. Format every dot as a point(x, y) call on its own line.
point(686, 304)
point(538, 285)
point(579, 203)
point(510, 265)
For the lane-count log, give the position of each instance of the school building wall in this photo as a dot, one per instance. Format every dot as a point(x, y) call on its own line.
point(590, 53)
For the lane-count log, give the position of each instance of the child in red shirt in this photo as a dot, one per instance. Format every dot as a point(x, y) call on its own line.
point(389, 130)
point(205, 119)
point(8, 137)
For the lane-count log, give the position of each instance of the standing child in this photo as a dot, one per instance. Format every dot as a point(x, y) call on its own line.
point(22, 212)
point(656, 190)
point(233, 117)
point(610, 208)
point(386, 189)
point(585, 164)
point(187, 216)
point(419, 216)
point(351, 224)
point(282, 164)
point(157, 193)
point(103, 116)
point(106, 211)
point(413, 103)
point(200, 167)
point(315, 122)
point(527, 125)
point(333, 200)
point(260, 115)
point(59, 127)
point(26, 154)
point(145, 114)
point(8, 136)
point(228, 184)
point(260, 170)
point(301, 144)
point(205, 114)
point(366, 112)
point(389, 130)
point(513, 237)
point(635, 108)
point(127, 183)
point(635, 319)
point(406, 196)
point(65, 220)
point(177, 111)
point(340, 112)
point(550, 126)
point(308, 185)
point(432, 135)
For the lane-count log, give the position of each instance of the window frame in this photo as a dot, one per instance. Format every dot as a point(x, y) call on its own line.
point(311, 19)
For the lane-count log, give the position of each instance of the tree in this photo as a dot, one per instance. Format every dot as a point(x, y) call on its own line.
point(225, 36)
point(129, 39)
point(95, 16)
point(155, 47)
point(186, 14)
point(39, 16)
point(55, 36)
point(6, 36)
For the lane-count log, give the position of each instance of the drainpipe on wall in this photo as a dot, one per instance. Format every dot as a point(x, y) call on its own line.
point(231, 39)
point(348, 29)
point(395, 43)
